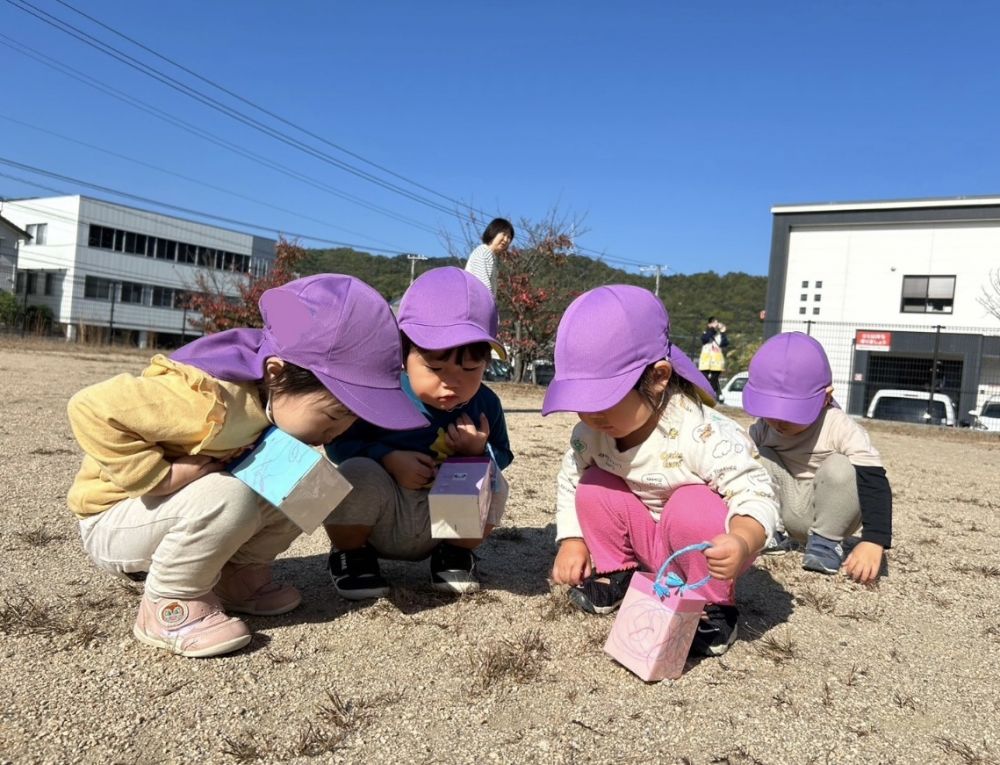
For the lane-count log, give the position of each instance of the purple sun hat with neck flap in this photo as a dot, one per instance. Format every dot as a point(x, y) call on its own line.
point(606, 339)
point(335, 326)
point(788, 379)
point(447, 308)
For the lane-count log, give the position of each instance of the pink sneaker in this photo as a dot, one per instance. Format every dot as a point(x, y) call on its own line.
point(248, 589)
point(195, 628)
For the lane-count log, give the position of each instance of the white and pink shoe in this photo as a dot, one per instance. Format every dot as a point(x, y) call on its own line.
point(195, 628)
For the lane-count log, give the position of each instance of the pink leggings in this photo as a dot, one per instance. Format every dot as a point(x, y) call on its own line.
point(622, 535)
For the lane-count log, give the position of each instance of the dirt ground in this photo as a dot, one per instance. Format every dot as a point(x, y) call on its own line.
point(825, 671)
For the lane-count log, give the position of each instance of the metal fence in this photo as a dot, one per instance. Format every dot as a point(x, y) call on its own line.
point(948, 365)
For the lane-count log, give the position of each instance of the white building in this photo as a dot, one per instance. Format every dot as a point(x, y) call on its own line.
point(891, 291)
point(107, 269)
point(10, 236)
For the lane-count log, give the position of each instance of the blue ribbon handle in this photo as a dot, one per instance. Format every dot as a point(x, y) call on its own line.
point(674, 581)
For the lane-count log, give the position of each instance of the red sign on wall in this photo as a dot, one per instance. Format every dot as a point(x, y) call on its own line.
point(867, 340)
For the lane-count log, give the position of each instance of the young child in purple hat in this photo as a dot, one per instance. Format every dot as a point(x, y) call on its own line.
point(152, 494)
point(829, 477)
point(448, 320)
point(650, 469)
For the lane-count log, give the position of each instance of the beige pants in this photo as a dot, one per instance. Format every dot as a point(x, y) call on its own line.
point(826, 504)
point(184, 539)
point(400, 518)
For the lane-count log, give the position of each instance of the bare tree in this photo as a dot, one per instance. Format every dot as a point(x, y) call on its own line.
point(990, 299)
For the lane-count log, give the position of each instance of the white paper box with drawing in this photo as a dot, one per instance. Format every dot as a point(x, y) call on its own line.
point(460, 498)
point(294, 477)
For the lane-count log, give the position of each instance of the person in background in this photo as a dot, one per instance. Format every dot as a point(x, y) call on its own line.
point(712, 361)
point(650, 470)
point(153, 495)
point(483, 262)
point(829, 477)
point(448, 322)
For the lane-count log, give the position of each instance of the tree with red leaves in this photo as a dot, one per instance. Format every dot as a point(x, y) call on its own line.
point(220, 311)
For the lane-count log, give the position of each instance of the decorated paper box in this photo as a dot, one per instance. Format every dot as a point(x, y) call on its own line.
point(460, 498)
point(294, 477)
point(652, 635)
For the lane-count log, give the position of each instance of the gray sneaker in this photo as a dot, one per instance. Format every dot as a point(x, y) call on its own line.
point(782, 544)
point(822, 555)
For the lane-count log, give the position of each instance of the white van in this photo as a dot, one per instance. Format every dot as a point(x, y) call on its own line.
point(732, 391)
point(987, 417)
point(912, 406)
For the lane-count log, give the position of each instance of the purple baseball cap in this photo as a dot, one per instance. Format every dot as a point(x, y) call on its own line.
point(338, 328)
point(787, 380)
point(448, 307)
point(606, 339)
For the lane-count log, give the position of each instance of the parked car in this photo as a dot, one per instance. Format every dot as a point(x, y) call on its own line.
point(498, 371)
point(987, 417)
point(912, 406)
point(732, 391)
point(541, 372)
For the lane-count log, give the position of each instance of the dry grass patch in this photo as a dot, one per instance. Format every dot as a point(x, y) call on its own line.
point(778, 649)
point(965, 752)
point(39, 536)
point(820, 600)
point(517, 659)
point(24, 616)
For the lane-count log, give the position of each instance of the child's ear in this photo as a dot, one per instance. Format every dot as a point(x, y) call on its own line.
point(272, 367)
point(662, 372)
point(829, 393)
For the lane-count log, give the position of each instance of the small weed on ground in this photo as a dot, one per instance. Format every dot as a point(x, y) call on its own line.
point(38, 536)
point(965, 752)
point(518, 659)
point(777, 649)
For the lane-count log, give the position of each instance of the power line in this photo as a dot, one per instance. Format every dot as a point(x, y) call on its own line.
point(215, 104)
point(142, 163)
point(186, 210)
point(261, 108)
point(204, 134)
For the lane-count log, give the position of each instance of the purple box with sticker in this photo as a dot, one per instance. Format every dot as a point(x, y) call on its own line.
point(460, 498)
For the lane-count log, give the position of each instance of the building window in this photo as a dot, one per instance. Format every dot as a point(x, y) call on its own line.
point(38, 232)
point(131, 292)
point(97, 288)
point(803, 297)
point(816, 311)
point(50, 283)
point(163, 297)
point(819, 285)
point(817, 298)
point(802, 310)
point(32, 288)
point(928, 294)
point(805, 285)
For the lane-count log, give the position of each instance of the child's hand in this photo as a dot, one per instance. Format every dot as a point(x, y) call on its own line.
point(464, 439)
point(864, 562)
point(411, 470)
point(185, 470)
point(727, 556)
point(572, 564)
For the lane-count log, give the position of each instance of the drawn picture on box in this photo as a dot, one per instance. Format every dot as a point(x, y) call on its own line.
point(649, 620)
point(272, 460)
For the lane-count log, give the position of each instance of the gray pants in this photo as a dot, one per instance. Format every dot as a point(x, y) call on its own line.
point(826, 505)
point(399, 518)
point(184, 539)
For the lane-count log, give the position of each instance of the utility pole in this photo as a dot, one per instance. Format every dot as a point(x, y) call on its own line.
point(657, 270)
point(111, 319)
point(413, 258)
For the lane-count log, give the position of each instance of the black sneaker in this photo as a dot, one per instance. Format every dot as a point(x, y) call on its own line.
point(356, 575)
point(453, 569)
point(601, 593)
point(716, 630)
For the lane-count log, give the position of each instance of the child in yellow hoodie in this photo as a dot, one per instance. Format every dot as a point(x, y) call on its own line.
point(153, 495)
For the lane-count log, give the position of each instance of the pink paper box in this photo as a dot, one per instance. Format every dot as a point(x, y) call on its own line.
point(459, 500)
point(652, 636)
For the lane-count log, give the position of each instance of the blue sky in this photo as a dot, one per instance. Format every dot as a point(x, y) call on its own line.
point(669, 128)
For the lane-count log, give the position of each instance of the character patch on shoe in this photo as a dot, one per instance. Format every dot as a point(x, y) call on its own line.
point(173, 614)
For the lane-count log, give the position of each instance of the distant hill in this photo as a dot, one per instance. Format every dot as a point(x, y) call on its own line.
point(736, 298)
